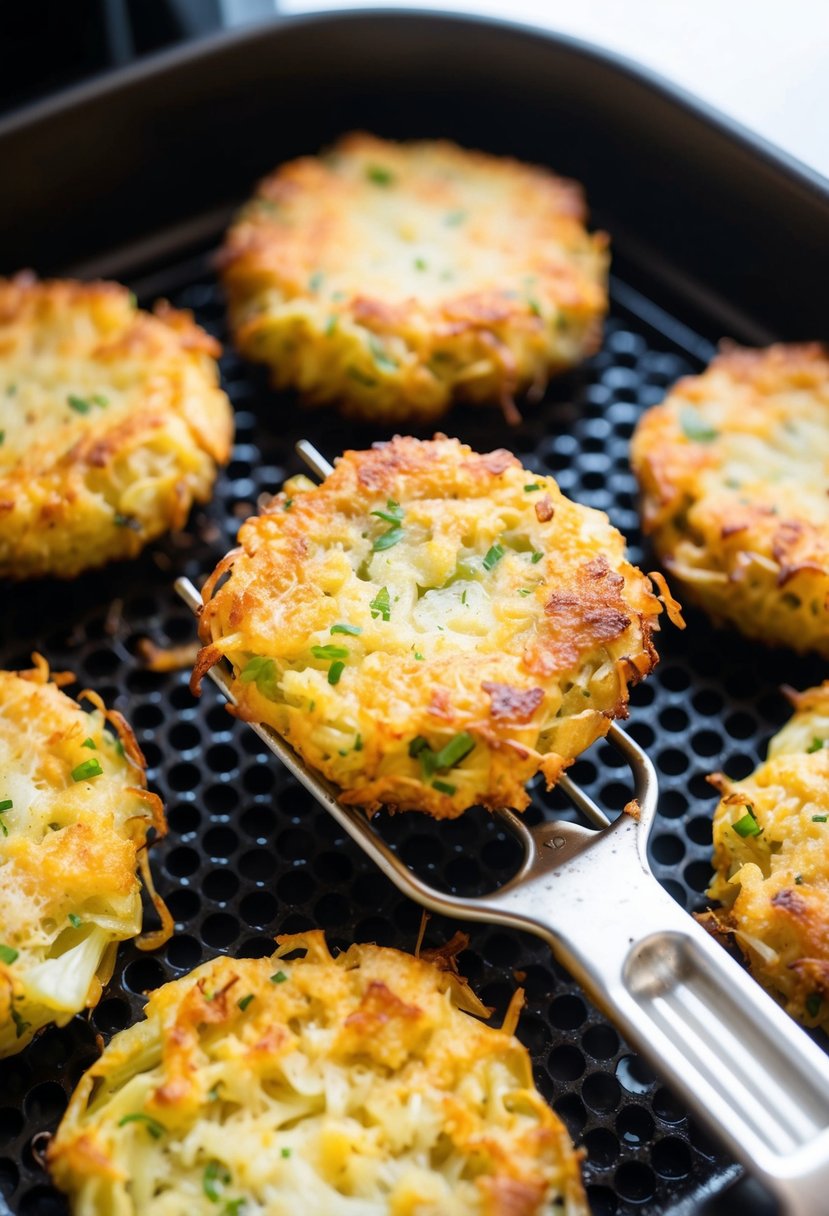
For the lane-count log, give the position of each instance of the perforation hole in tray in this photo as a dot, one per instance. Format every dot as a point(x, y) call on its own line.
point(249, 854)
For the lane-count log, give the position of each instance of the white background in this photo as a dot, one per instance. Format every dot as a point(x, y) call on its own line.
point(763, 62)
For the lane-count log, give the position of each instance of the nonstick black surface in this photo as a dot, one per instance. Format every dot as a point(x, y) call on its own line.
point(250, 855)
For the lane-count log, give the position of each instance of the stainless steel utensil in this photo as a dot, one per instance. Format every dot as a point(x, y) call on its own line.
point(742, 1065)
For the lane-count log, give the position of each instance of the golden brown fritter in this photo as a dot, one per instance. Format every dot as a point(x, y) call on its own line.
point(359, 1082)
point(771, 856)
point(394, 279)
point(430, 627)
point(734, 468)
point(74, 818)
point(112, 424)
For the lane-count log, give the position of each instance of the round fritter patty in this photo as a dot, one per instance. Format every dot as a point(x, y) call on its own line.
point(734, 469)
point(771, 856)
point(111, 424)
point(395, 279)
point(74, 817)
point(359, 1083)
point(430, 627)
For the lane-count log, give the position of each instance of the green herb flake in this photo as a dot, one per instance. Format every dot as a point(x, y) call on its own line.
point(279, 977)
point(360, 377)
point(418, 656)
point(536, 557)
point(2, 437)
point(329, 652)
point(380, 355)
point(358, 742)
point(285, 1153)
point(393, 513)
point(445, 787)
point(388, 540)
point(11, 389)
point(153, 1126)
point(813, 1004)
point(90, 743)
point(213, 1092)
point(353, 630)
point(20, 1024)
point(464, 594)
point(455, 218)
point(533, 486)
point(8, 955)
point(493, 556)
point(420, 264)
point(335, 671)
point(694, 426)
point(100, 400)
point(524, 591)
point(6, 805)
point(798, 880)
point(87, 770)
point(234, 1207)
point(244, 1001)
point(262, 672)
point(214, 1180)
point(747, 826)
point(379, 175)
point(74, 920)
point(126, 521)
point(331, 325)
point(288, 503)
point(381, 605)
point(79, 404)
point(315, 282)
point(455, 750)
point(534, 306)
point(819, 818)
point(815, 746)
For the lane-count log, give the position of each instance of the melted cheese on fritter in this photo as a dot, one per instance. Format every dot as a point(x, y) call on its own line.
point(355, 1082)
point(431, 627)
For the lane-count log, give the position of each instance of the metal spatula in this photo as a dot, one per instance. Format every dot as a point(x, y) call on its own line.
point(741, 1064)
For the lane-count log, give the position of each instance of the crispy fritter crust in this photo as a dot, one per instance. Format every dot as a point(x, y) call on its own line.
point(72, 837)
point(359, 1077)
point(425, 597)
point(112, 424)
point(733, 468)
point(395, 279)
point(774, 883)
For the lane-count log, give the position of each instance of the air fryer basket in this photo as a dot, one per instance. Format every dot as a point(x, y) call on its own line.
point(249, 854)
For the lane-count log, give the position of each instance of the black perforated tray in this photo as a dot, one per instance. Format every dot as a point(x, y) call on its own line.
point(249, 854)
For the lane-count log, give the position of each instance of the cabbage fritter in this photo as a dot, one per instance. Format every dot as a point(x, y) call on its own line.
point(734, 467)
point(111, 424)
point(359, 1083)
point(771, 856)
point(394, 279)
point(74, 817)
point(430, 627)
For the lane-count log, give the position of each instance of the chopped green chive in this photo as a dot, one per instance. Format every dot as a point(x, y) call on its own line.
point(381, 605)
point(361, 378)
point(126, 521)
point(331, 325)
point(393, 514)
point(444, 787)
point(380, 355)
point(335, 671)
point(449, 755)
point(285, 1152)
point(74, 920)
point(748, 825)
point(6, 805)
point(813, 1004)
point(79, 404)
point(286, 506)
point(213, 1092)
point(262, 672)
point(524, 591)
point(153, 1126)
point(214, 1180)
point(8, 954)
point(534, 306)
point(816, 745)
point(87, 770)
point(694, 426)
point(353, 630)
point(493, 556)
point(234, 1207)
point(316, 281)
point(358, 743)
point(534, 486)
point(798, 880)
point(329, 652)
point(279, 977)
point(2, 437)
point(20, 1024)
point(536, 557)
point(464, 594)
point(90, 743)
point(379, 175)
point(11, 389)
point(388, 540)
point(819, 818)
point(418, 656)
point(244, 1001)
point(454, 218)
point(100, 400)
point(420, 263)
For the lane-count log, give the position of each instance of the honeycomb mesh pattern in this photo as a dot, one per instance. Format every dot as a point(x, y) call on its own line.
point(249, 853)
